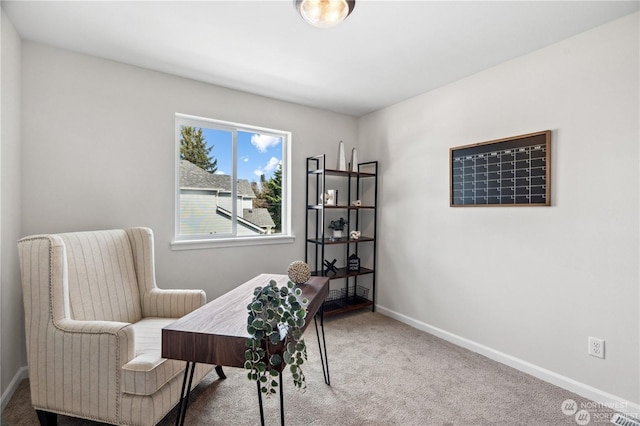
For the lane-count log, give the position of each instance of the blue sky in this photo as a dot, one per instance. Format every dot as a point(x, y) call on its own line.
point(257, 154)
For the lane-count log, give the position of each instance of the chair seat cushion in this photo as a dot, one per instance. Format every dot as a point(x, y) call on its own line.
point(148, 371)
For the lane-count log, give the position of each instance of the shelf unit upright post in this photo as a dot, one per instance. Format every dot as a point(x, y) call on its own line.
point(313, 168)
point(348, 297)
point(361, 167)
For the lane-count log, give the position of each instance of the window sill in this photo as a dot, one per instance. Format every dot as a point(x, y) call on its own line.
point(231, 242)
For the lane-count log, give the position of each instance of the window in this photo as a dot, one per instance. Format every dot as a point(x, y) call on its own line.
point(232, 184)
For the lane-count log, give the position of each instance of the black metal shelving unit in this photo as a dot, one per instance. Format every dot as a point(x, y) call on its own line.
point(347, 294)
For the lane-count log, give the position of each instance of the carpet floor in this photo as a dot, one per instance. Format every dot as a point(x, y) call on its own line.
point(383, 372)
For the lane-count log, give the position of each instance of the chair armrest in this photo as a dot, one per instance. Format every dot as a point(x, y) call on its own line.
point(95, 337)
point(92, 327)
point(171, 303)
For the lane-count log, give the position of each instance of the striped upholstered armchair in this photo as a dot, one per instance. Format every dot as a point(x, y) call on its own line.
point(93, 322)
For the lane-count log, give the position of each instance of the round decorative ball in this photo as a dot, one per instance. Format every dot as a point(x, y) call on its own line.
point(299, 272)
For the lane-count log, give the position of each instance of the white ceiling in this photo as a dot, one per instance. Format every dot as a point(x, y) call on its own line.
point(385, 52)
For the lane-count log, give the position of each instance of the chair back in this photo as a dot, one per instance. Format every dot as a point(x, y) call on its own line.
point(102, 282)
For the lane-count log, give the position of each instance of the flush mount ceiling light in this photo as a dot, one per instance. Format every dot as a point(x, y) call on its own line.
point(324, 13)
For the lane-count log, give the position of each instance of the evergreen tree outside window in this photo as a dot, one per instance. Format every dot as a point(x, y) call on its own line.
point(231, 180)
point(194, 148)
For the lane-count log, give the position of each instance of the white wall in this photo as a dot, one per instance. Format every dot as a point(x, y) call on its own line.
point(98, 152)
point(529, 282)
point(12, 345)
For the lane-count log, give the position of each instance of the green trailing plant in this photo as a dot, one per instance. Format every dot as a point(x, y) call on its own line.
point(275, 320)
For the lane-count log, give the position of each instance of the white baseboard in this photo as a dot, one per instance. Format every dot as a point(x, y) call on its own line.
point(22, 374)
point(582, 389)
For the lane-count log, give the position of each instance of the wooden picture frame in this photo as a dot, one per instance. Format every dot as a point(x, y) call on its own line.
point(513, 171)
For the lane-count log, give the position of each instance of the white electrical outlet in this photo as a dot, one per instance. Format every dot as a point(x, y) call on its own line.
point(596, 347)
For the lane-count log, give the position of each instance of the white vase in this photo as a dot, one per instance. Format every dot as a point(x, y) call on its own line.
point(342, 162)
point(337, 233)
point(354, 160)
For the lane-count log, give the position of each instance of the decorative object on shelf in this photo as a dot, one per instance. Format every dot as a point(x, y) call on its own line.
point(299, 272)
point(354, 160)
point(342, 162)
point(354, 263)
point(356, 203)
point(275, 320)
point(338, 227)
point(330, 266)
point(330, 197)
point(326, 13)
point(355, 234)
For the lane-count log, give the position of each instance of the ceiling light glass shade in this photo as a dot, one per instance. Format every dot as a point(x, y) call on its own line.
point(324, 13)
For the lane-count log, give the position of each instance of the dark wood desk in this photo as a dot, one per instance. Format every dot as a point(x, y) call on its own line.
point(216, 332)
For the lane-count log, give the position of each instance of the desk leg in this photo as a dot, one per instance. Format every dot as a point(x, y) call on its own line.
point(281, 402)
point(184, 394)
point(220, 373)
point(260, 403)
point(324, 359)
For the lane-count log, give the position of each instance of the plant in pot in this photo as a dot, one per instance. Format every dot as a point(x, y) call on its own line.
point(338, 227)
point(275, 320)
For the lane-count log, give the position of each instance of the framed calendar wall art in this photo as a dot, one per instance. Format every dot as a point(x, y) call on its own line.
point(514, 171)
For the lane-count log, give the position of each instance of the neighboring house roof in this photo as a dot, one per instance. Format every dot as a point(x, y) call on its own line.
point(241, 221)
point(244, 188)
point(193, 177)
point(259, 216)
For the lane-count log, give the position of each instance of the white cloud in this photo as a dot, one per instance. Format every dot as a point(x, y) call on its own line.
point(268, 168)
point(219, 172)
point(263, 142)
point(245, 158)
point(271, 165)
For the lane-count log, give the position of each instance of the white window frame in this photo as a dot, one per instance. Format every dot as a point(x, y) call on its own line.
point(186, 242)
